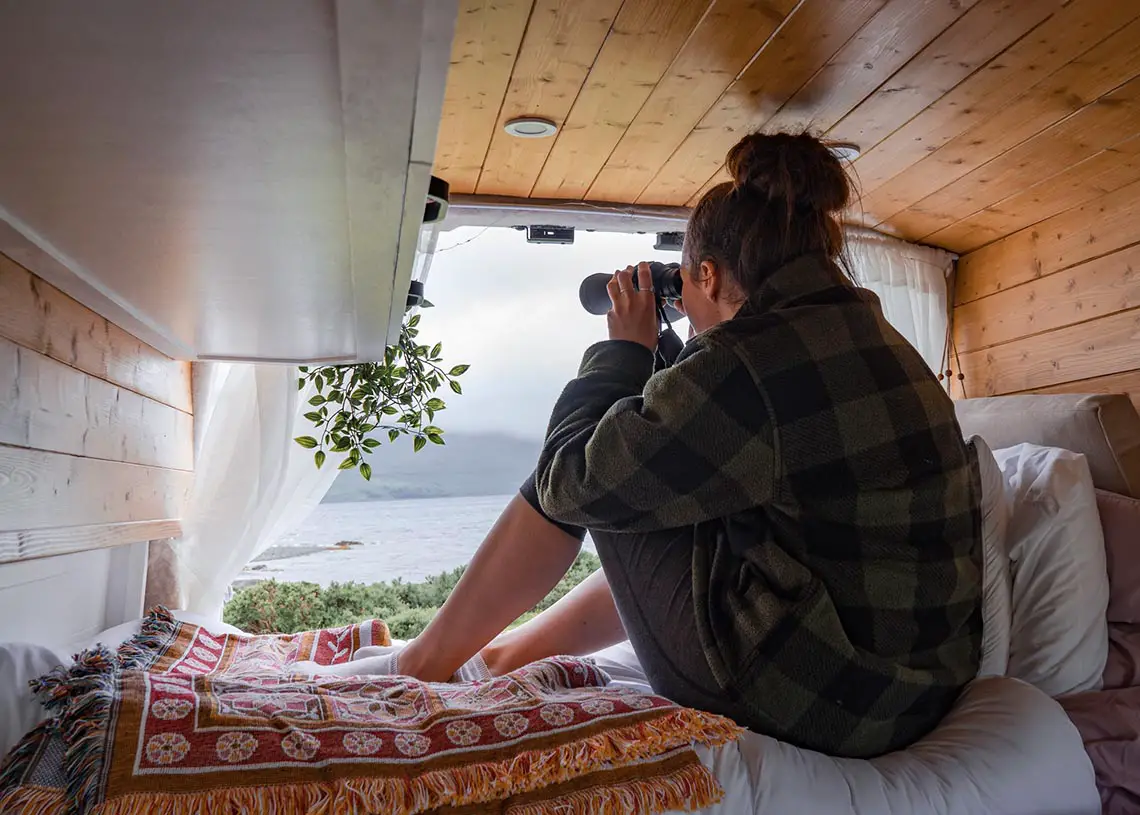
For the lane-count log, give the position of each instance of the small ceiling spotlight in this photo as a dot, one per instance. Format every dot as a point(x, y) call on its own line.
point(531, 127)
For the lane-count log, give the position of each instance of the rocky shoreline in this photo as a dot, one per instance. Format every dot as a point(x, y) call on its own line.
point(259, 568)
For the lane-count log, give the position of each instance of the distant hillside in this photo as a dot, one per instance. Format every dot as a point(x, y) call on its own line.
point(469, 464)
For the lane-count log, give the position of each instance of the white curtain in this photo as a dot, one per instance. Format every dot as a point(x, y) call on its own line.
point(911, 282)
point(252, 482)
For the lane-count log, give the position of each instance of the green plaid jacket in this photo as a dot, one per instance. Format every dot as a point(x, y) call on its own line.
point(835, 507)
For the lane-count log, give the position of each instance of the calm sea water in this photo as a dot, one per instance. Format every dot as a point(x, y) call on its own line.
point(406, 539)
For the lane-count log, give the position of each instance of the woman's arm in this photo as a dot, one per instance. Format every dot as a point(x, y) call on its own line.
point(632, 451)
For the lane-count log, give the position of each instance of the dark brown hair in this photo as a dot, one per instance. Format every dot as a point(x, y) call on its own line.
point(786, 193)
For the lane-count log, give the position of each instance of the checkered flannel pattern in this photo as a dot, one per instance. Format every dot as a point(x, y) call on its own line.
point(835, 507)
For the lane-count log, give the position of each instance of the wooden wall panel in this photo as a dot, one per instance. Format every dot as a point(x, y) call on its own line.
point(41, 490)
point(96, 434)
point(1055, 308)
point(47, 405)
point(44, 319)
point(1098, 228)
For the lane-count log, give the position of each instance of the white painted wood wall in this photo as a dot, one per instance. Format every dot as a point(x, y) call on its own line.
point(96, 434)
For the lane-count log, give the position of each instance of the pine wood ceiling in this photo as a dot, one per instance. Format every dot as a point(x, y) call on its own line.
point(976, 118)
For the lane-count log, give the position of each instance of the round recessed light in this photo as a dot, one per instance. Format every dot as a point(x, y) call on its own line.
point(531, 127)
point(844, 151)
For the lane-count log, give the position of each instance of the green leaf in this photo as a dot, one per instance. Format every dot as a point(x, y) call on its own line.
point(455, 386)
point(317, 401)
point(419, 443)
point(435, 438)
point(320, 458)
point(366, 470)
point(388, 410)
point(308, 442)
point(412, 323)
point(313, 416)
point(371, 443)
point(436, 349)
point(435, 403)
point(393, 434)
point(341, 446)
point(320, 382)
point(458, 370)
point(430, 429)
point(347, 464)
point(304, 369)
point(300, 383)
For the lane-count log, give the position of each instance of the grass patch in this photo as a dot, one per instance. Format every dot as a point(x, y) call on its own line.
point(271, 607)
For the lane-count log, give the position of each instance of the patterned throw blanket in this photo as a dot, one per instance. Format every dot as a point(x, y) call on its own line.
point(180, 722)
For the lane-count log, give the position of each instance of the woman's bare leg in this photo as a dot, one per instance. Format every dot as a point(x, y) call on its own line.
point(522, 558)
point(583, 621)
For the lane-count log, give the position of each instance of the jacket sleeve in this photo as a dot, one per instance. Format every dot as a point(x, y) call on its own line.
point(632, 451)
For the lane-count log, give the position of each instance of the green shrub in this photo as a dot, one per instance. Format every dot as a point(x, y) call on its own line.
point(270, 607)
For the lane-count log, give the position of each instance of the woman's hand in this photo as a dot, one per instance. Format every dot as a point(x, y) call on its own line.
point(634, 313)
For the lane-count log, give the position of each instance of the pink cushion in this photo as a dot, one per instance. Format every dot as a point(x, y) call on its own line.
point(1120, 519)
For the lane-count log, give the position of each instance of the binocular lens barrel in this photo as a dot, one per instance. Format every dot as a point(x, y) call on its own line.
point(666, 283)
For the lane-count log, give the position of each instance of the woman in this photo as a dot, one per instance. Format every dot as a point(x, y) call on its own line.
point(787, 518)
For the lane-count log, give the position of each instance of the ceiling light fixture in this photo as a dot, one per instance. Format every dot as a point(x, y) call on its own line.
point(531, 127)
point(844, 151)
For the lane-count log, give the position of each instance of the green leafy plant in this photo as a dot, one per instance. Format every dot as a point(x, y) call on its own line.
point(354, 404)
point(269, 607)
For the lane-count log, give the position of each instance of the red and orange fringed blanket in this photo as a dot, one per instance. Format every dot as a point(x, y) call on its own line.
point(180, 722)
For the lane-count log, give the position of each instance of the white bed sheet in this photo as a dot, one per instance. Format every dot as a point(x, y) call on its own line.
point(1005, 749)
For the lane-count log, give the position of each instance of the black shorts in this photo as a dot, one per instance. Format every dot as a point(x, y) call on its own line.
point(651, 578)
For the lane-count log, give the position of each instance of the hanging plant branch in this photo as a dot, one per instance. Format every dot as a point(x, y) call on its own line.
point(356, 406)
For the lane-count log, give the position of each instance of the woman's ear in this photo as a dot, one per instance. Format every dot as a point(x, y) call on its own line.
point(709, 279)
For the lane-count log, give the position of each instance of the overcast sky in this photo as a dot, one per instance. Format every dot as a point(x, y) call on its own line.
point(510, 310)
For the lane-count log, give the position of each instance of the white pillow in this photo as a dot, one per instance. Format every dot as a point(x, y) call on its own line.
point(114, 637)
point(19, 710)
point(997, 611)
point(1059, 638)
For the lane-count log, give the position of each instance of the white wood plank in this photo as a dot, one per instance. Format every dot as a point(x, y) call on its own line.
point(41, 317)
point(47, 405)
point(56, 601)
point(40, 490)
point(126, 584)
point(29, 544)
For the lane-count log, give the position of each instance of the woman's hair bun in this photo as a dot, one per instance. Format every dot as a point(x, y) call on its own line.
point(795, 169)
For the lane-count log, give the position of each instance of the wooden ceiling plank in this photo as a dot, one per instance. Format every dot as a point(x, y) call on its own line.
point(645, 38)
point(1102, 173)
point(814, 32)
point(1091, 349)
point(720, 48)
point(1111, 119)
point(488, 34)
point(1068, 33)
point(979, 35)
point(1074, 236)
point(899, 31)
point(1098, 288)
point(561, 43)
point(1096, 72)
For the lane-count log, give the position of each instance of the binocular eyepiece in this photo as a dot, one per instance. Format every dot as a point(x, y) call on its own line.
point(666, 285)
